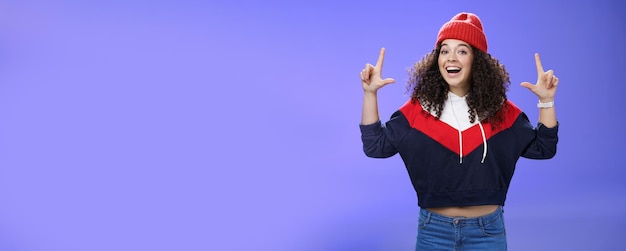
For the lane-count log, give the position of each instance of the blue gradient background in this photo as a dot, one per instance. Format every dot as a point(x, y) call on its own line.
point(233, 125)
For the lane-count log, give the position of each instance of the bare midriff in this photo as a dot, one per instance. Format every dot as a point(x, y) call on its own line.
point(468, 212)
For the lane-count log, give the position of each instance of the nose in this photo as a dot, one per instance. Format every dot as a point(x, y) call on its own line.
point(451, 58)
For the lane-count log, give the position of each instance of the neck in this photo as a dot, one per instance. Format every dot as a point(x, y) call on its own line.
point(459, 92)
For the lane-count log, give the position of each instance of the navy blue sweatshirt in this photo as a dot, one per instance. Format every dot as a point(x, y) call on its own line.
point(449, 169)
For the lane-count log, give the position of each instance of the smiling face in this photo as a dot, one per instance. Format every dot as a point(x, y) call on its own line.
point(455, 65)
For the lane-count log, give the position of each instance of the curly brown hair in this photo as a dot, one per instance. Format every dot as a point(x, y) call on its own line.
point(488, 86)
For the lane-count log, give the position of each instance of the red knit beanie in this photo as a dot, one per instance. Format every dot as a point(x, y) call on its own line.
point(466, 27)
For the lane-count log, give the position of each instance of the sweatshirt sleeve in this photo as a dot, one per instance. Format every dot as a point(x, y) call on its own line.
point(381, 140)
point(543, 146)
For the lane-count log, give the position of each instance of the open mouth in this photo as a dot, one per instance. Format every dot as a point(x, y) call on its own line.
point(453, 69)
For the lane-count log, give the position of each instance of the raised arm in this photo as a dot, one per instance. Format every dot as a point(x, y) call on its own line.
point(371, 79)
point(545, 89)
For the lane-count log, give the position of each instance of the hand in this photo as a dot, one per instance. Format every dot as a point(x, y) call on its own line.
point(371, 76)
point(545, 88)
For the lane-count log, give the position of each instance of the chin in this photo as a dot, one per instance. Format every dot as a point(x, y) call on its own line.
point(453, 83)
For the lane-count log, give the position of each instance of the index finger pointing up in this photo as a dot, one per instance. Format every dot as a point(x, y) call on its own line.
point(538, 63)
point(381, 58)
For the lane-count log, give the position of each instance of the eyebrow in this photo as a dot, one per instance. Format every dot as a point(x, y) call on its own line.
point(459, 45)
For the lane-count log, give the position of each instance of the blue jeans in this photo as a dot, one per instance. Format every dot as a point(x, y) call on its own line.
point(438, 232)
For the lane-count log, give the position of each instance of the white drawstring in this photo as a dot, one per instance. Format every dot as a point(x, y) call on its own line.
point(458, 128)
point(482, 130)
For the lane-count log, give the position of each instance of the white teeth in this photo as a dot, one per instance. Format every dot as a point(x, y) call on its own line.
point(453, 68)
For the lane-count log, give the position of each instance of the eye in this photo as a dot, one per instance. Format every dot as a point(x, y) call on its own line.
point(443, 52)
point(463, 52)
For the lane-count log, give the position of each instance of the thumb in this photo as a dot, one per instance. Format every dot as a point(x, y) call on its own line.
point(527, 85)
point(388, 81)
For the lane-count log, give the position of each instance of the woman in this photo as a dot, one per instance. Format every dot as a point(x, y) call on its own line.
point(459, 136)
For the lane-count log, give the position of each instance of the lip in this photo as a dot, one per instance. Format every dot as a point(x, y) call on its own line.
point(457, 66)
point(453, 75)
